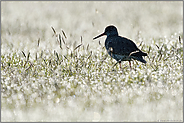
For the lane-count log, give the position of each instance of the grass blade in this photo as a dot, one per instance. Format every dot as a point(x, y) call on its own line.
point(99, 43)
point(81, 39)
point(57, 56)
point(53, 30)
point(157, 46)
point(63, 40)
point(36, 57)
point(65, 57)
point(64, 34)
point(60, 41)
point(41, 54)
point(45, 62)
point(149, 49)
point(87, 47)
point(38, 42)
point(23, 54)
point(140, 44)
point(77, 46)
point(28, 56)
point(89, 56)
point(180, 39)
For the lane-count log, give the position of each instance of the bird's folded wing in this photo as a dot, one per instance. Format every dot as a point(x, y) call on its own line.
point(124, 47)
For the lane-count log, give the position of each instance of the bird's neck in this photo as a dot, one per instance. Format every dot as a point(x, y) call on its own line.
point(112, 35)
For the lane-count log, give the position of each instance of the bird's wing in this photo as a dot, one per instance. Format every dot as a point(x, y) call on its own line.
point(122, 46)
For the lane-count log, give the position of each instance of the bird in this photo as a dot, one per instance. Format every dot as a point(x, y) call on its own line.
point(121, 48)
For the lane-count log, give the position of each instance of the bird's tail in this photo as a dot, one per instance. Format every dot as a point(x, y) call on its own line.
point(137, 55)
point(140, 59)
point(144, 54)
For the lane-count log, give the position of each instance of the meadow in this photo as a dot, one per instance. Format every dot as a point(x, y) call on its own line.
point(53, 70)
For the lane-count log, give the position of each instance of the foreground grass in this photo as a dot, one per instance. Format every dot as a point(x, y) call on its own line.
point(83, 83)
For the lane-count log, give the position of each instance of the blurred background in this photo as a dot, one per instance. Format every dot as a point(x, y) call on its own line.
point(28, 21)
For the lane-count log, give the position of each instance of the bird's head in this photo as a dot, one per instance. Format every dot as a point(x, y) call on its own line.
point(109, 31)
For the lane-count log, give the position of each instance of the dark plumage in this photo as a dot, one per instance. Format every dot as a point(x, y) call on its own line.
point(121, 48)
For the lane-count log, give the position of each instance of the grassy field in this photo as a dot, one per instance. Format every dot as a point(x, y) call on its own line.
point(52, 70)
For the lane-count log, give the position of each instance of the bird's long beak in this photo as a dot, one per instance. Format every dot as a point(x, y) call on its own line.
point(99, 36)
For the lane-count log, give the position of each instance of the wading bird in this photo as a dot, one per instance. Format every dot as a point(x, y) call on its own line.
point(121, 48)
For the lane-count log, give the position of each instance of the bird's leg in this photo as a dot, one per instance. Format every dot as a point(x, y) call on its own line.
point(120, 65)
point(130, 64)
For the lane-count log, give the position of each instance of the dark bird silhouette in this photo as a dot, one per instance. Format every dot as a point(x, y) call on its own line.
point(121, 48)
